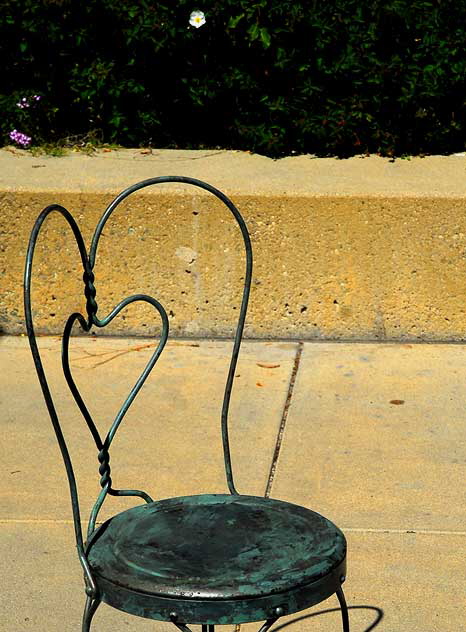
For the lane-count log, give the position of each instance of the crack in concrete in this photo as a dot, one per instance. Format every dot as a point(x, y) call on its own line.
point(281, 429)
point(136, 157)
point(119, 353)
point(402, 531)
point(116, 354)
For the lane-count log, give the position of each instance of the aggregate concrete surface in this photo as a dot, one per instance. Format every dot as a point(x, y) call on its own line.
point(356, 249)
point(370, 435)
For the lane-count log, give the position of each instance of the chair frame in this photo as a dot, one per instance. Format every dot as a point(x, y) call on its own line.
point(88, 260)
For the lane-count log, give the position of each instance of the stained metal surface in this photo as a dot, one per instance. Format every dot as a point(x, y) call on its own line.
point(223, 612)
point(216, 547)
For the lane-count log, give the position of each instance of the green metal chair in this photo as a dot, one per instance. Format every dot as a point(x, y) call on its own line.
point(207, 559)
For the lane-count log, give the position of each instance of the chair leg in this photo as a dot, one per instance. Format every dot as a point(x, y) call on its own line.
point(89, 611)
point(344, 610)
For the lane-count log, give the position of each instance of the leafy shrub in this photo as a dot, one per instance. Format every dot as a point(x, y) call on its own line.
point(273, 76)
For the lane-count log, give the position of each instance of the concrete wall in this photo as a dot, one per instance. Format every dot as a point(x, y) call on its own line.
point(344, 249)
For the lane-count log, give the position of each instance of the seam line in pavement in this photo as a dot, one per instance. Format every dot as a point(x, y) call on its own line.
point(281, 429)
point(40, 521)
point(402, 531)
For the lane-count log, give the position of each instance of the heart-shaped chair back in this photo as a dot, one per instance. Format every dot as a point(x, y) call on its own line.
point(92, 319)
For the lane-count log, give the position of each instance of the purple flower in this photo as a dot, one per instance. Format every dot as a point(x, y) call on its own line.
point(24, 103)
point(20, 138)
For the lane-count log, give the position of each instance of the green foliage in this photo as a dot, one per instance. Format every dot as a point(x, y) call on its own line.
point(340, 77)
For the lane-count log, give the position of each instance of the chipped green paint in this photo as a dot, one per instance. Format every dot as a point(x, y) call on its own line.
point(217, 558)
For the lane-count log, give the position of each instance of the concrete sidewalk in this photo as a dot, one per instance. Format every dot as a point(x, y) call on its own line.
point(370, 435)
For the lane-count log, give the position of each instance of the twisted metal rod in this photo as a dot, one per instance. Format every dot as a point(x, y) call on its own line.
point(104, 446)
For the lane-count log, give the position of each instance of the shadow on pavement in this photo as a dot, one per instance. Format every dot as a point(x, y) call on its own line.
point(378, 617)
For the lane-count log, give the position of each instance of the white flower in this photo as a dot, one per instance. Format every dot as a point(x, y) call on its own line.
point(197, 19)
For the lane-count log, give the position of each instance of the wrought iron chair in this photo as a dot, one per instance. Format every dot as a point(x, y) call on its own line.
point(207, 559)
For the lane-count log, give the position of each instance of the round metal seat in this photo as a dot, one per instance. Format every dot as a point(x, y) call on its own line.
point(213, 558)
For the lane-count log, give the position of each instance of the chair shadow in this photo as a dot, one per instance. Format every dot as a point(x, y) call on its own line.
point(379, 616)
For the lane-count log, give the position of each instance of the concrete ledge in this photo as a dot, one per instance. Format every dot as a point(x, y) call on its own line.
point(362, 248)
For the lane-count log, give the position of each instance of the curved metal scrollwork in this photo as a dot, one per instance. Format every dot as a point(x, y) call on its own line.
point(91, 588)
point(103, 446)
point(244, 302)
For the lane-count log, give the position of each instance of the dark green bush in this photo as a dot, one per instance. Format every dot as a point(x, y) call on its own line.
point(339, 77)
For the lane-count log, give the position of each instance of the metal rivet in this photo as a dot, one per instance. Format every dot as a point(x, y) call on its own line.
point(279, 611)
point(342, 579)
point(173, 615)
